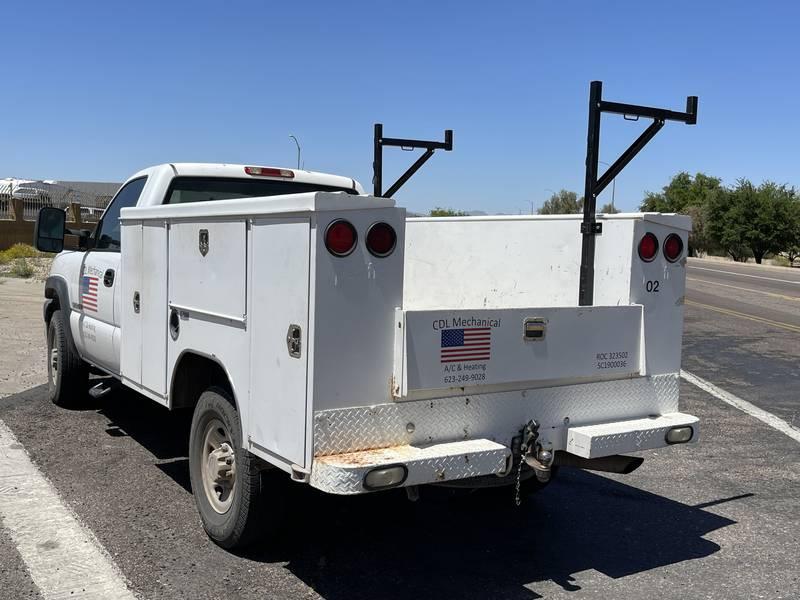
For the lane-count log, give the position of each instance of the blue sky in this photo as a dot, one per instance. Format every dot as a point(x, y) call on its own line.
point(98, 90)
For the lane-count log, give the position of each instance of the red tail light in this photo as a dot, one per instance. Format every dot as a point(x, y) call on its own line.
point(381, 239)
point(648, 247)
point(673, 247)
point(340, 237)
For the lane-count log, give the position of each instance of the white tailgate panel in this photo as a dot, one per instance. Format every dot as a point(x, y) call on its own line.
point(463, 348)
point(153, 306)
point(510, 262)
point(211, 283)
point(279, 282)
point(130, 322)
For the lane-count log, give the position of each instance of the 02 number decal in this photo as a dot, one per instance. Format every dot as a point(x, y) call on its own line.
point(652, 286)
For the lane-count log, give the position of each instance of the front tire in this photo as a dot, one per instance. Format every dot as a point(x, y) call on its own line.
point(226, 479)
point(67, 374)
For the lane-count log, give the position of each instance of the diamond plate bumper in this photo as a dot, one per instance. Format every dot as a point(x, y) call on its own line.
point(496, 416)
point(344, 473)
point(592, 441)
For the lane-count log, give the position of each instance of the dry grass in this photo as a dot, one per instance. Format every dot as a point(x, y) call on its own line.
point(22, 269)
point(18, 251)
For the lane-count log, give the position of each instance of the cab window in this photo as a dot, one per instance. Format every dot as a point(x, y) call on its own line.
point(183, 190)
point(107, 237)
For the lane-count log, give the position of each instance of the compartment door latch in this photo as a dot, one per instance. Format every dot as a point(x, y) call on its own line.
point(294, 340)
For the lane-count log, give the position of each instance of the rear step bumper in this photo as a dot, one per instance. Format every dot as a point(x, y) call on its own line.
point(345, 473)
point(436, 463)
point(592, 441)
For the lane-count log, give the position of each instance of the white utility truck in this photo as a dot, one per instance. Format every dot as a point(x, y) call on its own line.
point(322, 333)
point(315, 330)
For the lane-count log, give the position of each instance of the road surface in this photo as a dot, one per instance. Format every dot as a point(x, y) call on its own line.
point(742, 332)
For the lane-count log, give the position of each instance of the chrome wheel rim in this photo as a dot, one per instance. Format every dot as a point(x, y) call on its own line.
point(218, 466)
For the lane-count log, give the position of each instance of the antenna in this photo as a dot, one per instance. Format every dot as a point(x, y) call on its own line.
point(298, 149)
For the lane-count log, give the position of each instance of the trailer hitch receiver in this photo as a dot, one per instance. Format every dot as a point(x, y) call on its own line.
point(538, 455)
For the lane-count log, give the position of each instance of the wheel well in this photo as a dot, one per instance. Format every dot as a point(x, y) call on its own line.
point(52, 306)
point(193, 375)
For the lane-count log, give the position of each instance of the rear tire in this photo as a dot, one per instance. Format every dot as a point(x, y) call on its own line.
point(227, 481)
point(67, 373)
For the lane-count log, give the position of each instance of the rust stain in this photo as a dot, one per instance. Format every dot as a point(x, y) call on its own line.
point(370, 457)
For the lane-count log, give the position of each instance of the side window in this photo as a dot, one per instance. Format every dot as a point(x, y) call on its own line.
point(107, 237)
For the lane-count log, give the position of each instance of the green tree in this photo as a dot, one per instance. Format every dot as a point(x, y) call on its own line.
point(682, 191)
point(750, 219)
point(699, 240)
point(690, 195)
point(609, 209)
point(562, 203)
point(447, 212)
point(792, 250)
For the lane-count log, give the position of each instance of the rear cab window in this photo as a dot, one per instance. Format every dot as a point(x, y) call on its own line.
point(183, 190)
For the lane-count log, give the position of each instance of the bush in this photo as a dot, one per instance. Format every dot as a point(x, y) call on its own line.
point(780, 261)
point(18, 251)
point(21, 269)
point(447, 212)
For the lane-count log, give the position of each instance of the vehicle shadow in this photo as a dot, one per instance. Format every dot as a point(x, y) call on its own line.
point(164, 433)
point(381, 545)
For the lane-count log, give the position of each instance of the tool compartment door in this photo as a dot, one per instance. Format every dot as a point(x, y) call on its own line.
point(207, 262)
point(456, 349)
point(143, 306)
point(279, 299)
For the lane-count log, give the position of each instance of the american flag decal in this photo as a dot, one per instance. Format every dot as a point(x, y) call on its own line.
point(89, 293)
point(466, 345)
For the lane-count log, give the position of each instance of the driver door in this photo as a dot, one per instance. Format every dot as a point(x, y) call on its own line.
point(97, 309)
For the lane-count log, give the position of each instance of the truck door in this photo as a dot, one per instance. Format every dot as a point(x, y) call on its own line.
point(97, 301)
point(278, 368)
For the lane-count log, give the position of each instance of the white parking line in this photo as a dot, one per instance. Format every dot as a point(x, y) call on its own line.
point(736, 273)
point(743, 405)
point(63, 557)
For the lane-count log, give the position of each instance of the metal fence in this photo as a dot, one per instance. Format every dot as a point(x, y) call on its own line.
point(5, 204)
point(35, 195)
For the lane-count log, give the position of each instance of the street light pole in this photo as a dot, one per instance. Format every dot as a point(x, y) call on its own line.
point(613, 184)
point(298, 149)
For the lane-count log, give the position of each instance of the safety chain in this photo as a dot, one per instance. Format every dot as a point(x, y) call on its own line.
point(530, 434)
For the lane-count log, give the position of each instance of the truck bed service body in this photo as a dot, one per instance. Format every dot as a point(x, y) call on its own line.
point(315, 330)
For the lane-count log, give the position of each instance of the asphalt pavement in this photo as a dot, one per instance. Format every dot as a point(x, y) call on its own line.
point(717, 519)
point(742, 332)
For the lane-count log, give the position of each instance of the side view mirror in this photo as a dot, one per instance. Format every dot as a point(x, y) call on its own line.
point(48, 236)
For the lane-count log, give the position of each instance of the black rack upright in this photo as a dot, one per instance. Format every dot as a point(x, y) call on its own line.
point(590, 228)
